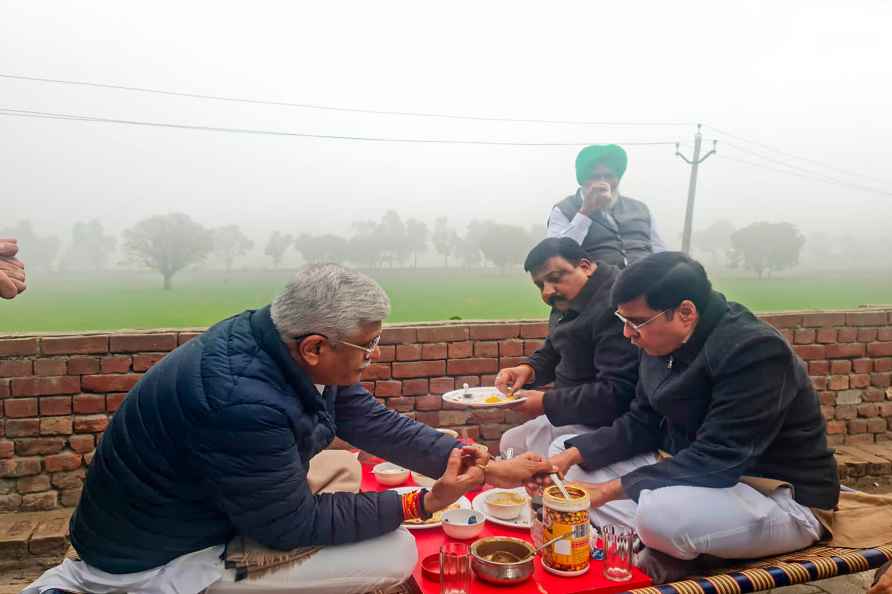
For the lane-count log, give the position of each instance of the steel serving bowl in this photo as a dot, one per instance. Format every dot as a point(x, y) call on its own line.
point(502, 573)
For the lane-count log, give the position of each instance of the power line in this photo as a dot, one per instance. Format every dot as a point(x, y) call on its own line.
point(416, 114)
point(87, 118)
point(827, 180)
point(798, 157)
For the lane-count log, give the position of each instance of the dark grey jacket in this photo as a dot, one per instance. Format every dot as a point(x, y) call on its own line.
point(734, 401)
point(594, 369)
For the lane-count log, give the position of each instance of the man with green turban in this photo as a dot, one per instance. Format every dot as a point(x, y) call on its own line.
point(610, 227)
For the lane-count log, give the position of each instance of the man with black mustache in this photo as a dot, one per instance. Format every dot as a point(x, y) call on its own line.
point(593, 368)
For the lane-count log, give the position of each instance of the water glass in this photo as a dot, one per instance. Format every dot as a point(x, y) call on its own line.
point(455, 568)
point(617, 552)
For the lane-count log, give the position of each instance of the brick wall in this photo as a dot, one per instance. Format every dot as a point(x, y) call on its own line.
point(58, 392)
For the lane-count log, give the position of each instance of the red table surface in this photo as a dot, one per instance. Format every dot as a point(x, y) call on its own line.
point(429, 540)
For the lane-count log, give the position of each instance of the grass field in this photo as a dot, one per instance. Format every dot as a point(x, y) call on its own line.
point(76, 302)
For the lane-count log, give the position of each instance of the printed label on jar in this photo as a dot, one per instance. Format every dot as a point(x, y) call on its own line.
point(571, 553)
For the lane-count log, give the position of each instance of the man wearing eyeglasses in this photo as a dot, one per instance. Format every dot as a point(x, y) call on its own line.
point(748, 471)
point(610, 227)
point(592, 367)
point(218, 438)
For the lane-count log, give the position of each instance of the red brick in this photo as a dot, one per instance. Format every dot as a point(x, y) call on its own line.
point(368, 387)
point(461, 350)
point(839, 382)
point(783, 320)
point(884, 334)
point(54, 366)
point(414, 387)
point(880, 380)
point(388, 388)
point(184, 337)
point(834, 427)
point(398, 335)
point(88, 457)
point(85, 404)
point(867, 334)
point(859, 380)
point(145, 362)
point(811, 352)
point(435, 350)
point(22, 427)
point(840, 367)
point(113, 401)
point(110, 383)
point(872, 394)
point(845, 351)
point(419, 369)
point(473, 381)
point(70, 497)
point(73, 479)
point(451, 417)
point(818, 367)
point(62, 462)
point(847, 335)
point(83, 365)
point(486, 349)
point(494, 331)
point(17, 408)
point(867, 318)
point(857, 426)
point(868, 410)
point(33, 484)
point(885, 409)
point(823, 320)
point(441, 385)
point(826, 336)
point(511, 362)
point(56, 426)
point(18, 347)
point(836, 440)
point(408, 352)
point(860, 438)
point(472, 366)
point(847, 411)
point(882, 365)
point(487, 415)
point(140, 343)
point(862, 365)
point(511, 348)
point(803, 336)
point(442, 333)
point(116, 364)
point(40, 501)
point(7, 448)
point(82, 443)
point(16, 368)
point(534, 330)
point(51, 406)
point(46, 386)
point(401, 404)
point(787, 333)
point(429, 418)
point(17, 467)
point(428, 403)
point(488, 380)
point(74, 345)
point(376, 371)
point(387, 353)
point(4, 388)
point(876, 425)
point(820, 382)
point(880, 349)
point(90, 423)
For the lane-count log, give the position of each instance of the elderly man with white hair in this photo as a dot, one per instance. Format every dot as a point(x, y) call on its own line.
point(216, 442)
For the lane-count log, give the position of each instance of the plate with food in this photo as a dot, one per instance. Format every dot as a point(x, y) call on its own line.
point(506, 507)
point(481, 398)
point(435, 520)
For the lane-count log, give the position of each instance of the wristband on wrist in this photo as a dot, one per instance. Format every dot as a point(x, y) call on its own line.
point(423, 513)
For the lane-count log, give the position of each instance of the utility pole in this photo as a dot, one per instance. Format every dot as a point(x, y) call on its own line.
point(692, 186)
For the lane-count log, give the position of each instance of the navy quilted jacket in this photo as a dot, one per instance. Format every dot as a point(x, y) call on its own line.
point(216, 439)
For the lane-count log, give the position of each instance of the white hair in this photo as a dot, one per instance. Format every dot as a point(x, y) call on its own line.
point(328, 299)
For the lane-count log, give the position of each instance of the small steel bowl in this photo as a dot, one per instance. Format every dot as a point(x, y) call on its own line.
point(502, 573)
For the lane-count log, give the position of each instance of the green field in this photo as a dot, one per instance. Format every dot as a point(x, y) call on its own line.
point(75, 302)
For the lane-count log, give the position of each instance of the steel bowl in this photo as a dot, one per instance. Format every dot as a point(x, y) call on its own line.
point(502, 573)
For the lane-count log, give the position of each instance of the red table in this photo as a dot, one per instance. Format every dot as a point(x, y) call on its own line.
point(428, 542)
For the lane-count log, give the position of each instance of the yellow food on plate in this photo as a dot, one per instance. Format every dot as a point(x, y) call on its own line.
point(436, 518)
point(506, 499)
point(494, 399)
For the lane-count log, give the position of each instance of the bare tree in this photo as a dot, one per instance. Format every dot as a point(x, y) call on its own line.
point(229, 244)
point(276, 246)
point(168, 243)
point(416, 238)
point(443, 239)
point(762, 247)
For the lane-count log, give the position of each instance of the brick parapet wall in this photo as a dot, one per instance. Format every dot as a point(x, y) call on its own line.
point(57, 392)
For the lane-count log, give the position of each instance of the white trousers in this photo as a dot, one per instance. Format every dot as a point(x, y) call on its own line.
point(536, 435)
point(686, 522)
point(381, 562)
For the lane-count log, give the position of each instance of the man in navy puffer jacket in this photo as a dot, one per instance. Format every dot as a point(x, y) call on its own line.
point(216, 440)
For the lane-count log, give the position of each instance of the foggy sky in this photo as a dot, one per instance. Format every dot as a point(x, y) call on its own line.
point(811, 78)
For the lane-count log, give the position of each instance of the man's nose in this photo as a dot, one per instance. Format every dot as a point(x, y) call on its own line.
point(376, 354)
point(547, 292)
point(628, 331)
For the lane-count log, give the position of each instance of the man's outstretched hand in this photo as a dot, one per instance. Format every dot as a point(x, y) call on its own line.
point(12, 271)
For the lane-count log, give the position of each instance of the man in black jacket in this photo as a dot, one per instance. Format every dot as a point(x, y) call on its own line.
point(593, 367)
point(726, 397)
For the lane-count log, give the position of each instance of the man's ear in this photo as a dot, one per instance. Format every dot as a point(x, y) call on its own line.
point(307, 351)
point(687, 311)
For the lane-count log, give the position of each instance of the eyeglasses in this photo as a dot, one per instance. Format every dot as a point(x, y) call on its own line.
point(368, 349)
point(638, 327)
